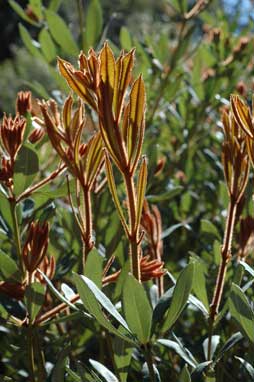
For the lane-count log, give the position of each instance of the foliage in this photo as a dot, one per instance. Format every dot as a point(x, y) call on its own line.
point(126, 215)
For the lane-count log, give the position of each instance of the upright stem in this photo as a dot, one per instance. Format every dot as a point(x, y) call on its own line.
point(88, 224)
point(225, 258)
point(134, 244)
point(81, 21)
point(31, 353)
point(149, 361)
point(16, 233)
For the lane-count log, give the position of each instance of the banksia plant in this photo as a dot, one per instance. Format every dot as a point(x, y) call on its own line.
point(102, 83)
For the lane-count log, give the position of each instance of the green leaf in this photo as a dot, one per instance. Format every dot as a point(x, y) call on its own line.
point(166, 196)
point(47, 45)
point(36, 6)
point(8, 268)
point(94, 267)
point(58, 372)
point(38, 89)
point(214, 343)
point(180, 296)
point(199, 280)
point(125, 39)
point(122, 356)
point(61, 33)
point(185, 375)
point(168, 231)
point(247, 268)
point(137, 309)
point(210, 228)
point(199, 369)
point(240, 309)
point(31, 45)
point(54, 5)
point(34, 298)
point(236, 337)
point(247, 366)
point(20, 11)
point(25, 169)
point(103, 371)
point(93, 299)
point(146, 373)
point(183, 352)
point(161, 307)
point(5, 212)
point(93, 23)
point(59, 295)
point(73, 375)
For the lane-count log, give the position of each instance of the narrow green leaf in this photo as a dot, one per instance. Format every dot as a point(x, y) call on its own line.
point(90, 296)
point(59, 295)
point(185, 375)
point(137, 309)
point(61, 33)
point(166, 196)
point(103, 371)
point(125, 39)
point(168, 231)
point(26, 168)
point(47, 45)
point(31, 45)
point(240, 309)
point(183, 352)
point(58, 372)
point(73, 375)
point(210, 228)
point(214, 343)
point(54, 5)
point(180, 296)
point(161, 307)
point(247, 267)
point(20, 11)
point(91, 287)
point(122, 357)
point(34, 298)
point(94, 267)
point(146, 373)
point(199, 369)
point(36, 6)
point(234, 339)
point(93, 23)
point(248, 367)
point(199, 280)
point(8, 268)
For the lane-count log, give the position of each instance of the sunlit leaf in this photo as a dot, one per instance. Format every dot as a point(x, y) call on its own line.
point(137, 309)
point(47, 45)
point(61, 33)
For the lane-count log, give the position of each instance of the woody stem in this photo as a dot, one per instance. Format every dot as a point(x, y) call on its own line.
point(88, 224)
point(16, 232)
point(134, 246)
point(225, 259)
